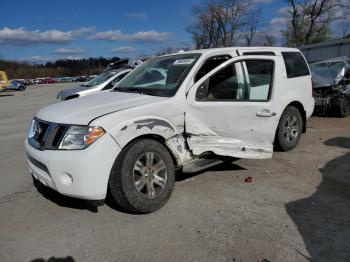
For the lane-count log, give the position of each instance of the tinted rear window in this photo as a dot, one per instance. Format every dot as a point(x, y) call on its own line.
point(295, 64)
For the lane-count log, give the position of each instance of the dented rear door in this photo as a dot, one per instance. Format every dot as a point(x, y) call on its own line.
point(237, 116)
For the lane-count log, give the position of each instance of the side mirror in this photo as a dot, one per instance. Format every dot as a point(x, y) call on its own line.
point(347, 73)
point(202, 91)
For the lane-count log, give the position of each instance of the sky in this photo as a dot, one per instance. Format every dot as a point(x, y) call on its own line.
point(41, 31)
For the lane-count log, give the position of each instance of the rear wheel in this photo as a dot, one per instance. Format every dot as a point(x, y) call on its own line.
point(143, 177)
point(289, 129)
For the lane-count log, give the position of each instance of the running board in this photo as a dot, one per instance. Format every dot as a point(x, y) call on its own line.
point(200, 164)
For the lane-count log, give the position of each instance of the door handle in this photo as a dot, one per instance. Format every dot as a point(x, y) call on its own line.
point(265, 113)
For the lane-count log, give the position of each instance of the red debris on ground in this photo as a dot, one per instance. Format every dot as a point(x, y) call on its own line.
point(248, 179)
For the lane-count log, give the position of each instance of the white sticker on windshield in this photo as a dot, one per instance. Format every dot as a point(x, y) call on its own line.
point(183, 62)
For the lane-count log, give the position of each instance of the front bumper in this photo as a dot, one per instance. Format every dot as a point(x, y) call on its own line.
point(77, 173)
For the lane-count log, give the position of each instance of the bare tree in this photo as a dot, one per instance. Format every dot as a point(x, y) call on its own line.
point(345, 28)
point(217, 22)
point(310, 20)
point(253, 22)
point(268, 40)
point(344, 22)
point(203, 30)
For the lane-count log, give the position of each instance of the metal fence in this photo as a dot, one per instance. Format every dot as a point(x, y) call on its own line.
point(326, 50)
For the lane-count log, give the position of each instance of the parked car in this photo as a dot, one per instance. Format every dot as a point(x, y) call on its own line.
point(50, 81)
point(210, 105)
point(37, 81)
point(104, 81)
point(65, 79)
point(6, 85)
point(331, 86)
point(81, 78)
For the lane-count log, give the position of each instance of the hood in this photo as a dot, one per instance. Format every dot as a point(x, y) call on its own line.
point(81, 111)
point(325, 80)
point(322, 81)
point(71, 91)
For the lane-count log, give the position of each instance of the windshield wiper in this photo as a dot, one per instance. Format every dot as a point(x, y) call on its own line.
point(138, 90)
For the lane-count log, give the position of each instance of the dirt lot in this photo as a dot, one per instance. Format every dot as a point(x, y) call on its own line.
point(297, 208)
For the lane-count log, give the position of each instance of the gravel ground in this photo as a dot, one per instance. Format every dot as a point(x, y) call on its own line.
point(297, 207)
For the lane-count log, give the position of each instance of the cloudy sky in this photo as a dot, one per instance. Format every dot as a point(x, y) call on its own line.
point(47, 30)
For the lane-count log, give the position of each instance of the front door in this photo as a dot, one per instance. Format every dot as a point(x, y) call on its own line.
point(231, 109)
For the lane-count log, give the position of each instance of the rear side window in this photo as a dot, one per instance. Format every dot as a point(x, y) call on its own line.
point(259, 79)
point(295, 64)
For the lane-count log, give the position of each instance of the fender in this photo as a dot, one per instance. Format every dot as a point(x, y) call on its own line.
point(153, 125)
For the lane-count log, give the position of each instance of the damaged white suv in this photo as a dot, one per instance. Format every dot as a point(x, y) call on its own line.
point(186, 111)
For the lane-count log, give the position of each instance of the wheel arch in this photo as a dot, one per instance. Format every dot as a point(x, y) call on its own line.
point(302, 111)
point(157, 138)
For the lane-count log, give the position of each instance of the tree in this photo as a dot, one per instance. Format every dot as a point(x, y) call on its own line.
point(309, 20)
point(345, 29)
point(217, 22)
point(268, 40)
point(252, 24)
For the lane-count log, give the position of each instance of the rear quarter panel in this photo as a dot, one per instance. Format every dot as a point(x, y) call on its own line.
point(292, 89)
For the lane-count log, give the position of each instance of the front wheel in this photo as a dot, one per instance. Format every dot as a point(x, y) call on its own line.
point(289, 129)
point(143, 177)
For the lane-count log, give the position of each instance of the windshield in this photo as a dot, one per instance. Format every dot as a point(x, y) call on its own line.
point(160, 76)
point(99, 79)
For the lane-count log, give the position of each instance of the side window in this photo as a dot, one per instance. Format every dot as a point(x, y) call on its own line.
point(223, 85)
point(295, 64)
point(259, 79)
point(231, 84)
point(210, 64)
point(122, 76)
point(108, 86)
point(116, 80)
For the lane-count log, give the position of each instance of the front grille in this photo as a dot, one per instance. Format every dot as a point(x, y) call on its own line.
point(47, 135)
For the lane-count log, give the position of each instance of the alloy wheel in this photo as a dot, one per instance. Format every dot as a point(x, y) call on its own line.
point(150, 175)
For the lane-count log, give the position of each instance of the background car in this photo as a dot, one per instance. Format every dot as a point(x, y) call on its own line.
point(105, 81)
point(331, 86)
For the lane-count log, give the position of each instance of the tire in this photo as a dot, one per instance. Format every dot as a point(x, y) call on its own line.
point(289, 129)
point(344, 106)
point(132, 177)
point(21, 88)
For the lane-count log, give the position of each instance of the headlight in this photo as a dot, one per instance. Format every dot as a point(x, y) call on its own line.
point(32, 128)
point(80, 137)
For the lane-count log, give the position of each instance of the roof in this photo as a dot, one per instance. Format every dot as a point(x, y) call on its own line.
point(238, 48)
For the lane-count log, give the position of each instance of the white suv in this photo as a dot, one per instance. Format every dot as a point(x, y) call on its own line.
point(185, 111)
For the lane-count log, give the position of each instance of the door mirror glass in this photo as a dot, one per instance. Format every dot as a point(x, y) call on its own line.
point(202, 91)
point(347, 73)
